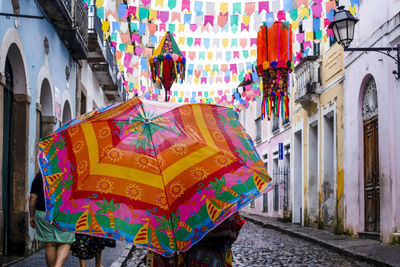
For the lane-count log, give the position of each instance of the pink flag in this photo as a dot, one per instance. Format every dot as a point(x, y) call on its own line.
point(329, 32)
point(330, 5)
point(304, 2)
point(209, 19)
point(125, 38)
point(146, 2)
point(264, 5)
point(300, 37)
point(224, 67)
point(130, 70)
point(152, 28)
point(138, 50)
point(222, 20)
point(132, 10)
point(197, 41)
point(192, 55)
point(243, 42)
point(163, 27)
point(136, 38)
point(236, 54)
point(249, 8)
point(326, 22)
point(227, 79)
point(253, 41)
point(127, 60)
point(218, 80)
point(176, 16)
point(193, 27)
point(205, 28)
point(163, 16)
point(307, 44)
point(204, 80)
point(147, 52)
point(244, 27)
point(281, 16)
point(200, 93)
point(233, 68)
point(186, 5)
point(317, 10)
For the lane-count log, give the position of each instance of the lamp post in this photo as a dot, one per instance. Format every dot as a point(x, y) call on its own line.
point(343, 28)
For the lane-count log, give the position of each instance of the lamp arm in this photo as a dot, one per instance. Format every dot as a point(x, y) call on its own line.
point(384, 50)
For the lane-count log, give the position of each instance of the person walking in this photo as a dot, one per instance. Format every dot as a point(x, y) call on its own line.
point(86, 247)
point(58, 243)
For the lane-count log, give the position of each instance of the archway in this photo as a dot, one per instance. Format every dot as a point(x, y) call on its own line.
point(67, 113)
point(371, 158)
point(14, 163)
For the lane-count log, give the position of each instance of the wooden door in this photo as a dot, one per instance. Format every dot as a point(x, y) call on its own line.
point(371, 175)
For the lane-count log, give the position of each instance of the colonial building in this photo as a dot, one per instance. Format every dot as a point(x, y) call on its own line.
point(51, 69)
point(371, 125)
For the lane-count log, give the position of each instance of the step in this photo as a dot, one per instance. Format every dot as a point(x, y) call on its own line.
point(370, 235)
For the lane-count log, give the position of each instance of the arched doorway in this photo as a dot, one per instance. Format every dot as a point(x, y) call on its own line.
point(371, 158)
point(15, 143)
point(67, 114)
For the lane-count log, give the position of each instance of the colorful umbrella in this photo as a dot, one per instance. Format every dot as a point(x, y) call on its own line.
point(157, 174)
point(167, 63)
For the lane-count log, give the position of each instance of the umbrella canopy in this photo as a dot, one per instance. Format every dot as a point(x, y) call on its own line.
point(157, 174)
point(167, 62)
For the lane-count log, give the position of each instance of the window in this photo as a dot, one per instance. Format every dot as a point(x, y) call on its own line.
point(253, 204)
point(275, 123)
point(265, 202)
point(258, 130)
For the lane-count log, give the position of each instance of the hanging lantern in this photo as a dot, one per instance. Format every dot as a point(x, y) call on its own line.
point(167, 65)
point(274, 63)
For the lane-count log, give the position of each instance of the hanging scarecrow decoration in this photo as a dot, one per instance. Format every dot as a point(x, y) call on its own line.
point(167, 63)
point(274, 54)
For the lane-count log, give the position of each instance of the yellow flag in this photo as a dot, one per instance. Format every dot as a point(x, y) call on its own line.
point(152, 14)
point(196, 80)
point(304, 13)
point(210, 55)
point(105, 26)
point(309, 36)
point(181, 27)
point(99, 3)
point(352, 10)
point(129, 49)
point(325, 38)
point(207, 66)
point(234, 78)
point(182, 40)
point(223, 7)
point(211, 93)
point(225, 42)
point(253, 52)
point(295, 24)
point(246, 20)
point(160, 3)
point(181, 93)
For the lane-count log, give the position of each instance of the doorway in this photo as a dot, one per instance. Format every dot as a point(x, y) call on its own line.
point(371, 159)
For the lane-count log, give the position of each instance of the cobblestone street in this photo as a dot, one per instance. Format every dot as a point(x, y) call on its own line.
point(258, 246)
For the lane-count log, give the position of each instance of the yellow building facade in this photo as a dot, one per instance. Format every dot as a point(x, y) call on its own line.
point(317, 140)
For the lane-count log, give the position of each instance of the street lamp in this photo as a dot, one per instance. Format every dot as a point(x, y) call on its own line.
point(343, 28)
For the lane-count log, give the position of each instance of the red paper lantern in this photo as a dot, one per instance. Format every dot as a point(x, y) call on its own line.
point(274, 62)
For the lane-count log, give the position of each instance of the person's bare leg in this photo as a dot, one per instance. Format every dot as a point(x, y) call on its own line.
point(82, 262)
point(51, 253)
point(62, 254)
point(98, 259)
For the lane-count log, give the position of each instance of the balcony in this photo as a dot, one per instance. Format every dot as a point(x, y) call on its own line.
point(100, 57)
point(69, 17)
point(308, 81)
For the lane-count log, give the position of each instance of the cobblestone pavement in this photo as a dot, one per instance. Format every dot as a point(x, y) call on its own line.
point(258, 246)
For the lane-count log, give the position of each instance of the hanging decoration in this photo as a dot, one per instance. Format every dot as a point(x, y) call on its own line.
point(274, 54)
point(167, 64)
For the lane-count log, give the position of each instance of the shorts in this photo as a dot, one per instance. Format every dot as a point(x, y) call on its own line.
point(47, 232)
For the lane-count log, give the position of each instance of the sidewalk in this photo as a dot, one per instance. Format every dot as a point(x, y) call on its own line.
point(363, 249)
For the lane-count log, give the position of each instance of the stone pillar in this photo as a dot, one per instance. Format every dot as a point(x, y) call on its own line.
point(19, 215)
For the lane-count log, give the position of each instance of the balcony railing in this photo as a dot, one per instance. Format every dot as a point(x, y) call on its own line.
point(308, 79)
point(69, 18)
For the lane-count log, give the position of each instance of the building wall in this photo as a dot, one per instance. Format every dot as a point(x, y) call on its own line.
point(28, 36)
point(380, 30)
point(319, 124)
point(267, 148)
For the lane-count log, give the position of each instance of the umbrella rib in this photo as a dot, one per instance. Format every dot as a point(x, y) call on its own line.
point(162, 179)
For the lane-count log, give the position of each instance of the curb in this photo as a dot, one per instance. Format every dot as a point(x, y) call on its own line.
point(341, 250)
